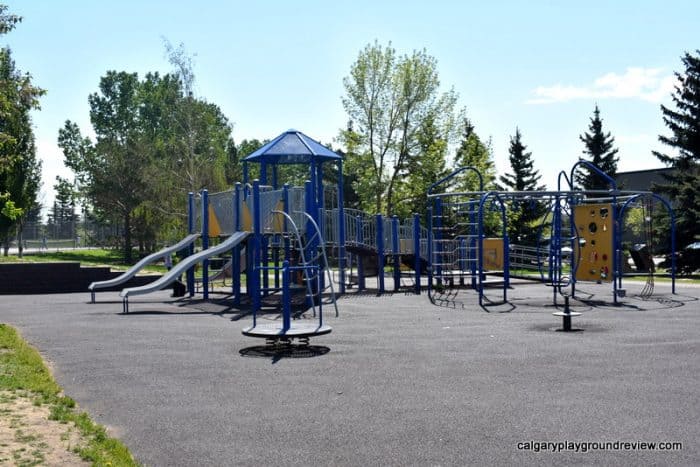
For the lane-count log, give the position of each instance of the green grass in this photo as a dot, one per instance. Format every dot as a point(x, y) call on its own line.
point(93, 257)
point(23, 370)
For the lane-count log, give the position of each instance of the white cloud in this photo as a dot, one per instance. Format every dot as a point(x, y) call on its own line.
point(648, 84)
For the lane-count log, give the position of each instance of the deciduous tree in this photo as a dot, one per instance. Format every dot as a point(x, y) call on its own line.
point(388, 98)
point(20, 171)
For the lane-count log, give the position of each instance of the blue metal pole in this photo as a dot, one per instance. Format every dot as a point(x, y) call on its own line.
point(311, 244)
point(341, 228)
point(319, 187)
point(396, 251)
point(285, 227)
point(321, 223)
point(574, 245)
point(275, 176)
point(416, 251)
point(245, 173)
point(360, 264)
point(472, 241)
point(438, 235)
point(235, 252)
point(190, 249)
point(265, 258)
point(257, 245)
point(205, 243)
point(553, 248)
point(480, 250)
point(286, 298)
point(380, 252)
point(319, 275)
point(190, 212)
point(506, 252)
point(263, 173)
point(616, 246)
point(276, 261)
point(430, 248)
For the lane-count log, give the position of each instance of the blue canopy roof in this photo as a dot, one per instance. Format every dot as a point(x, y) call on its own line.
point(292, 147)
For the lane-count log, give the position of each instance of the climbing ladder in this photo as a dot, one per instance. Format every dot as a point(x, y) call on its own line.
point(454, 235)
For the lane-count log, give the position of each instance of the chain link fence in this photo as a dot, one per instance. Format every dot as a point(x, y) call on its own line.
point(61, 235)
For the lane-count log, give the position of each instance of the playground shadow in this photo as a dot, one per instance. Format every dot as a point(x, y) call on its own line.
point(498, 307)
point(287, 351)
point(367, 292)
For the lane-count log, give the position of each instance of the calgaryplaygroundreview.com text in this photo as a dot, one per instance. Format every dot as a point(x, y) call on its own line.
point(587, 446)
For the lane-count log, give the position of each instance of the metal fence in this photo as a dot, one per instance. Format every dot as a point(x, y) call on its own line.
point(74, 234)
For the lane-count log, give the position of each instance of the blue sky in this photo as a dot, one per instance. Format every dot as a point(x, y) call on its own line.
point(538, 65)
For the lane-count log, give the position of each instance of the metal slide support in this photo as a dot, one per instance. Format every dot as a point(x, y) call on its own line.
point(396, 251)
point(205, 243)
point(416, 252)
point(190, 249)
point(380, 252)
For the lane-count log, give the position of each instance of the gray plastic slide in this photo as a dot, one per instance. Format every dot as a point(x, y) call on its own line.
point(183, 266)
point(141, 264)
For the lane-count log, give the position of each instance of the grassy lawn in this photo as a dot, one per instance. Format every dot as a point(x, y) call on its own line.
point(23, 375)
point(92, 257)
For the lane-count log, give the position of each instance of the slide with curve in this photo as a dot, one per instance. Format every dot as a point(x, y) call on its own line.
point(182, 267)
point(185, 242)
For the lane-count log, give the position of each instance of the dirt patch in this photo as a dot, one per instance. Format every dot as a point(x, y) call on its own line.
point(28, 437)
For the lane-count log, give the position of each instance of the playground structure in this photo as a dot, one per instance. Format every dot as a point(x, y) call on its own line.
point(584, 243)
point(280, 239)
point(277, 237)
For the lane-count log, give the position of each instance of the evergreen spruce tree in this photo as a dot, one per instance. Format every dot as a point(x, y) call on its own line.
point(683, 185)
point(523, 177)
point(600, 151)
point(472, 152)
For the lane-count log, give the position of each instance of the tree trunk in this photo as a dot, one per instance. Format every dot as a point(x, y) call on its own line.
point(127, 238)
point(20, 240)
point(390, 197)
